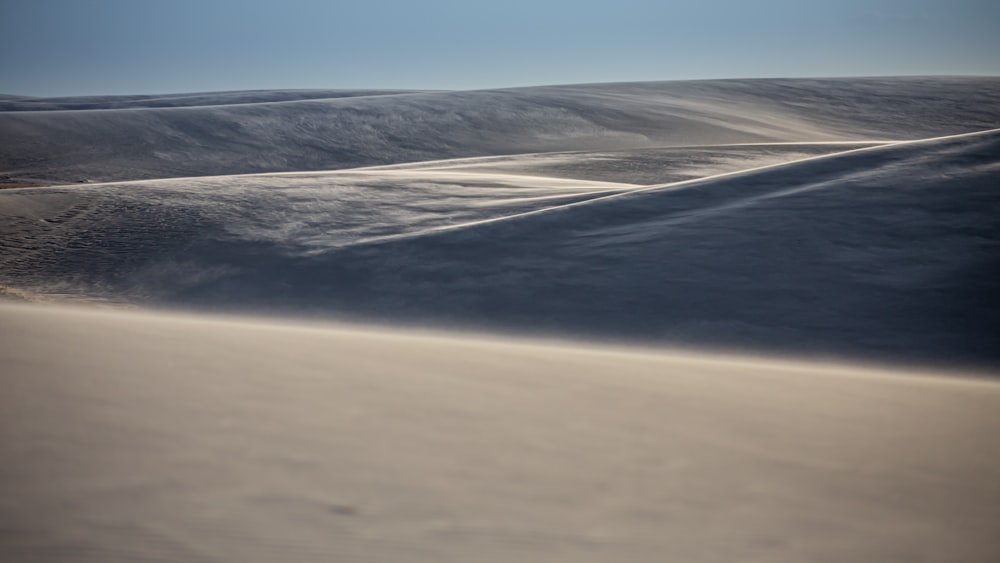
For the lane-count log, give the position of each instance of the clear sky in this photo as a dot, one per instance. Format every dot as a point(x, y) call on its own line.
point(70, 47)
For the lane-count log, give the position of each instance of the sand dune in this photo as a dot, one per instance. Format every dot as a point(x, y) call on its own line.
point(883, 253)
point(196, 99)
point(179, 438)
point(838, 221)
point(660, 165)
point(347, 132)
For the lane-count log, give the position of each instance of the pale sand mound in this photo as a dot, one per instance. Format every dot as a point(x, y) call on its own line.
point(138, 436)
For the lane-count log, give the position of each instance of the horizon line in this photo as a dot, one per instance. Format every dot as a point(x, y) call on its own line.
point(402, 90)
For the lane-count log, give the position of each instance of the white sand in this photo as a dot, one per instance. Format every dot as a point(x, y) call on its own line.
point(139, 436)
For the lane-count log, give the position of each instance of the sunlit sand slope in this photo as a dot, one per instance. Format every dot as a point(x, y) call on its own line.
point(133, 436)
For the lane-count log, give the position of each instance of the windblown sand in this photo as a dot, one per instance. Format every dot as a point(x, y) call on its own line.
point(145, 436)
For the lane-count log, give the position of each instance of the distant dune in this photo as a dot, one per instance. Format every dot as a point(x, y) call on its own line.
point(197, 99)
point(220, 136)
point(133, 436)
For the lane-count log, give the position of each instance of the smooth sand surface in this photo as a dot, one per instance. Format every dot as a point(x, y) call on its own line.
point(131, 436)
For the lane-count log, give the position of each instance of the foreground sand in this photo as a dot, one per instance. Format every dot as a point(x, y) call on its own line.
point(139, 436)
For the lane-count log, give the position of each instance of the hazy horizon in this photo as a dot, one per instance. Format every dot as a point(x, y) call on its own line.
point(63, 48)
point(497, 87)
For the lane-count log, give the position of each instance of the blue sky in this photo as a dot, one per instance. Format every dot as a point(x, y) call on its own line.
point(72, 47)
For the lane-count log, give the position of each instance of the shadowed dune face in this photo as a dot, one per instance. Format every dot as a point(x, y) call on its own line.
point(648, 215)
point(885, 253)
point(351, 131)
point(23, 103)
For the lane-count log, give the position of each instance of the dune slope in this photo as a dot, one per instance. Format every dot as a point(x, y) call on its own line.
point(351, 131)
point(193, 99)
point(178, 438)
point(884, 253)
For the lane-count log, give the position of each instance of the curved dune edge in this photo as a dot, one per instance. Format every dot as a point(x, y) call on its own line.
point(878, 150)
point(132, 435)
